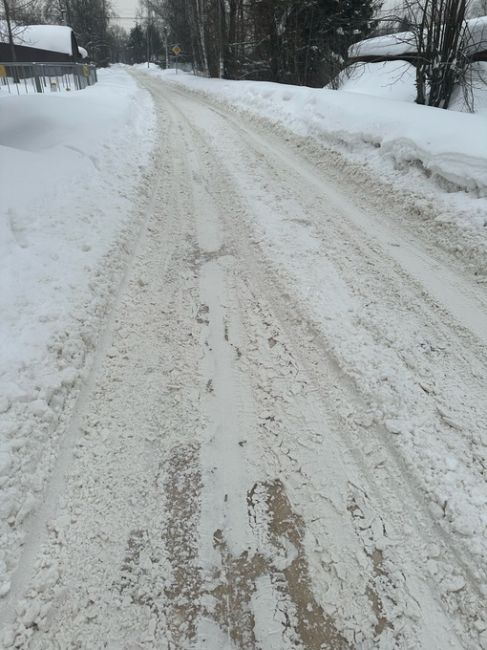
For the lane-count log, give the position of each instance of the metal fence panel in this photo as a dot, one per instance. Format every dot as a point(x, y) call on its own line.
point(27, 78)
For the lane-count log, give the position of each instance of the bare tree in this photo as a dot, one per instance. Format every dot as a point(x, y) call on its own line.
point(291, 41)
point(439, 32)
point(10, 32)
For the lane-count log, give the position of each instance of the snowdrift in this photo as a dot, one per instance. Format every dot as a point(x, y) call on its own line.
point(70, 166)
point(448, 145)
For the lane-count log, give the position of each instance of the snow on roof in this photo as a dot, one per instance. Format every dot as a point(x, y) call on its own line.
point(477, 35)
point(404, 42)
point(55, 38)
point(390, 45)
point(83, 52)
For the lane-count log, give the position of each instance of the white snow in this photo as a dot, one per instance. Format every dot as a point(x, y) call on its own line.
point(393, 45)
point(390, 45)
point(70, 166)
point(450, 146)
point(291, 398)
point(388, 79)
point(55, 38)
point(397, 80)
point(476, 35)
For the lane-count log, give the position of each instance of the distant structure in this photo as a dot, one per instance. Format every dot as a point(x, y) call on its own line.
point(402, 46)
point(40, 44)
point(393, 47)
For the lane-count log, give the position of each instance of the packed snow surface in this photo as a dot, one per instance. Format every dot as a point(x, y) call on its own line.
point(447, 145)
point(282, 440)
point(279, 441)
point(70, 165)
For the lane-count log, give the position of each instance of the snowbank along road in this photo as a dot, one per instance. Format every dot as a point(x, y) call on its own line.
point(282, 444)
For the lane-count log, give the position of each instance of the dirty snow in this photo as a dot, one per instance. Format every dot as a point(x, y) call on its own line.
point(281, 441)
point(71, 168)
point(449, 146)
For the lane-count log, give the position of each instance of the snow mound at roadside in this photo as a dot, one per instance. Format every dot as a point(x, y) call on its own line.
point(70, 166)
point(388, 79)
point(447, 145)
point(397, 80)
point(389, 45)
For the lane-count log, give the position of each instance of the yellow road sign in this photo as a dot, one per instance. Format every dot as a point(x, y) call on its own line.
point(3, 71)
point(85, 70)
point(176, 50)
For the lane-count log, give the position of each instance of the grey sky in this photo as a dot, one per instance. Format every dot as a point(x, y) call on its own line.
point(126, 9)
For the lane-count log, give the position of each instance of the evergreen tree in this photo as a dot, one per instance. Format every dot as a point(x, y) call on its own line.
point(117, 44)
point(291, 41)
point(137, 44)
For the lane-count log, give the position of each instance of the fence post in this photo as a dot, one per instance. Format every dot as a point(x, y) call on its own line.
point(37, 78)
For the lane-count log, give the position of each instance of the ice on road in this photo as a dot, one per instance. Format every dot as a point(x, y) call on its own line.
point(282, 441)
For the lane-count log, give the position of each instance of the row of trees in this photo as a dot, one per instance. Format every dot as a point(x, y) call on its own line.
point(290, 41)
point(303, 42)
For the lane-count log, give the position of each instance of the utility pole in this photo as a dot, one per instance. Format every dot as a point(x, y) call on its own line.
point(220, 38)
point(167, 48)
point(104, 51)
point(62, 10)
point(148, 33)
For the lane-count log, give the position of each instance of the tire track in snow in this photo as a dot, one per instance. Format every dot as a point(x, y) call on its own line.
point(182, 489)
point(252, 371)
point(229, 489)
point(93, 577)
point(228, 455)
point(467, 607)
point(36, 523)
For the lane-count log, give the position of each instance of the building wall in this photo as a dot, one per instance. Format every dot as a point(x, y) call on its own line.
point(31, 54)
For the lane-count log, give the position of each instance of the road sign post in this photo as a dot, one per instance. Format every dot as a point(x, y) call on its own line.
point(176, 50)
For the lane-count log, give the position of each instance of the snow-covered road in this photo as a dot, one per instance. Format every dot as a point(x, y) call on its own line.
point(282, 441)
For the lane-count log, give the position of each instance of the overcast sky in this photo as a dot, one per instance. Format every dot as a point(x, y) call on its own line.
point(125, 8)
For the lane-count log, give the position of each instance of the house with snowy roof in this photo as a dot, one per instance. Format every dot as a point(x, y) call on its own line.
point(402, 46)
point(40, 44)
